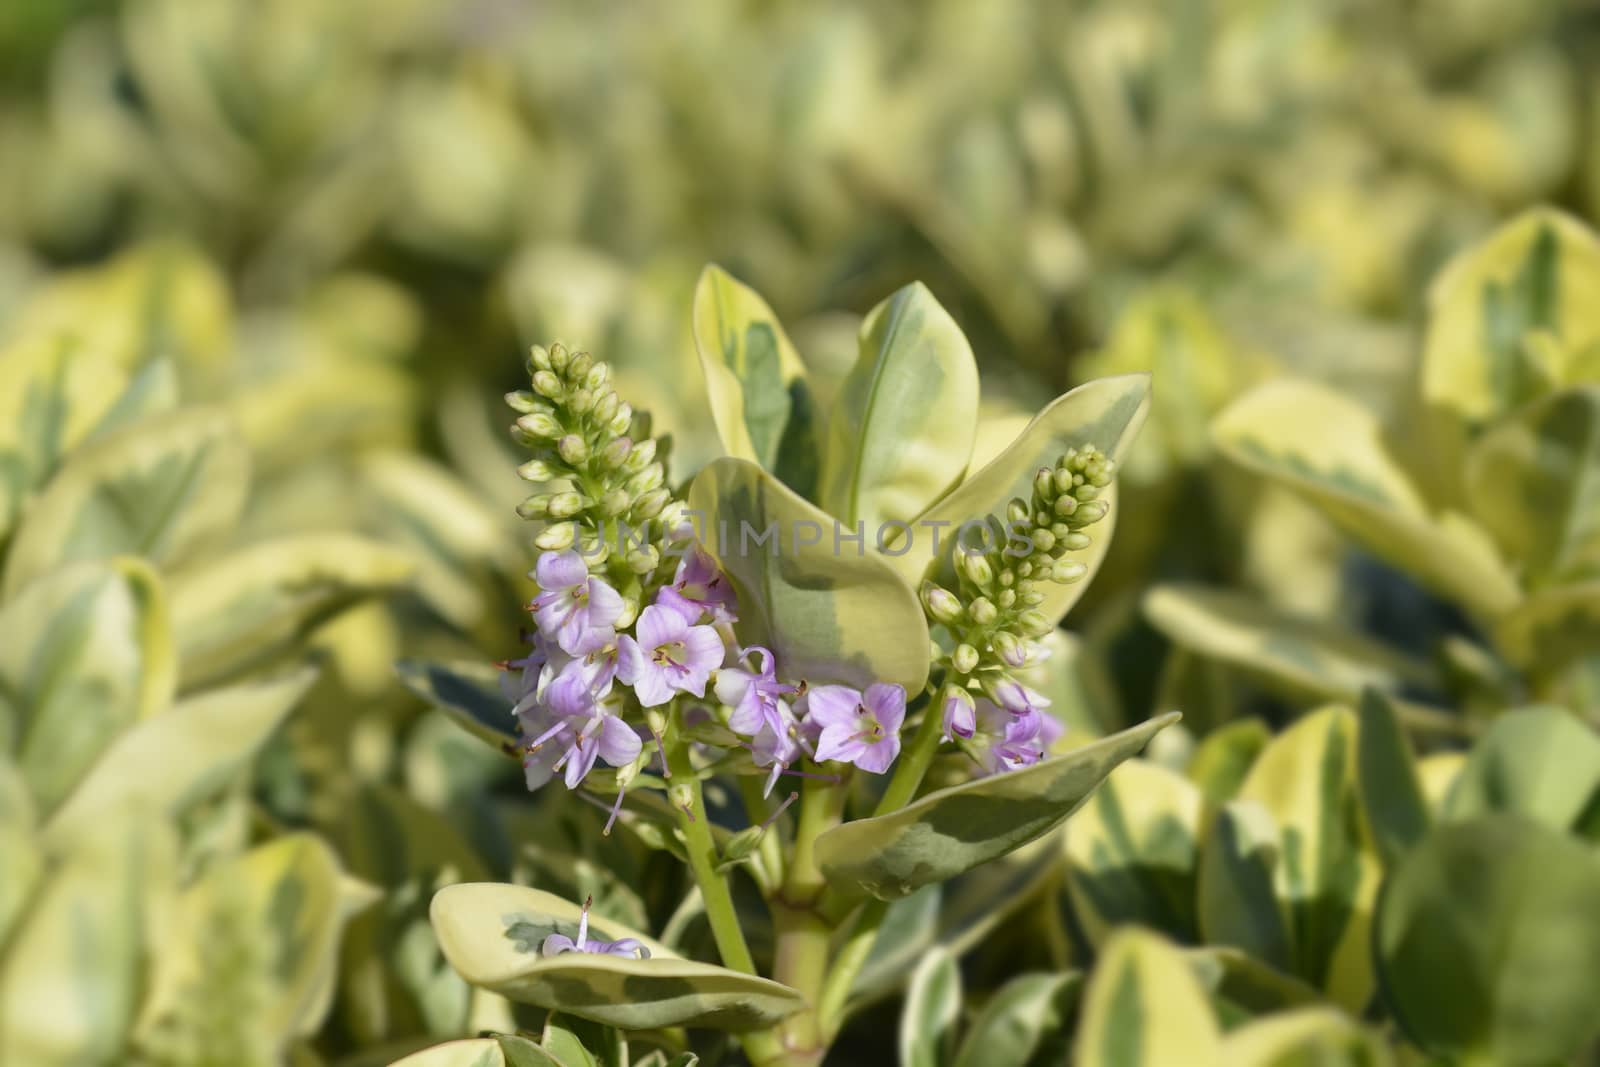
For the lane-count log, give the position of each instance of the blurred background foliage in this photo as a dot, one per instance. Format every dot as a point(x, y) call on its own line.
point(266, 268)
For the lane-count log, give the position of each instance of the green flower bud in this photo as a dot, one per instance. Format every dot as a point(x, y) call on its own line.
point(573, 449)
point(559, 357)
point(605, 408)
point(1075, 541)
point(615, 454)
point(974, 568)
point(536, 470)
point(622, 421)
point(649, 506)
point(964, 659)
point(522, 402)
point(982, 611)
point(1034, 623)
point(579, 367)
point(1066, 504)
point(1017, 511)
point(1031, 598)
point(565, 505)
point(1063, 481)
point(1008, 646)
point(940, 603)
point(547, 384)
point(614, 503)
point(557, 537)
point(596, 379)
point(647, 479)
point(1043, 540)
point(539, 358)
point(580, 401)
point(1007, 577)
point(630, 611)
point(540, 425)
point(643, 454)
point(1044, 484)
point(644, 560)
point(536, 506)
point(1090, 512)
point(1086, 493)
point(1067, 570)
point(1006, 599)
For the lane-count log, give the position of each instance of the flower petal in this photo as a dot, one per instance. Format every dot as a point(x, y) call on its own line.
point(702, 649)
point(876, 758)
point(560, 570)
point(833, 705)
point(887, 702)
point(619, 745)
point(839, 743)
point(605, 604)
point(658, 625)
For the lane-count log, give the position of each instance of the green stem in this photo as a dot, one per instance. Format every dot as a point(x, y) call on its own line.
point(769, 852)
point(847, 967)
point(702, 849)
point(913, 764)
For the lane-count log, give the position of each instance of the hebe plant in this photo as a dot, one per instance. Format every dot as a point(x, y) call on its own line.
point(789, 618)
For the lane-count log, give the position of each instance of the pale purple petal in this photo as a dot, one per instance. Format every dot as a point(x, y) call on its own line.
point(960, 720)
point(833, 705)
point(581, 759)
point(839, 742)
point(619, 745)
point(690, 611)
point(605, 604)
point(659, 626)
point(560, 570)
point(556, 944)
point(732, 684)
point(887, 703)
point(631, 660)
point(703, 650)
point(651, 686)
point(876, 758)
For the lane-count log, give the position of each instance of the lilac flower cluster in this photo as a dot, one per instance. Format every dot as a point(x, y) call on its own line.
point(576, 689)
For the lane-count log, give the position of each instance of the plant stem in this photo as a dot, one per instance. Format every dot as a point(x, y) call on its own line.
point(913, 764)
point(702, 850)
point(847, 966)
point(769, 852)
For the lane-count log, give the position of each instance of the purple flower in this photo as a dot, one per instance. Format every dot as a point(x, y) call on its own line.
point(776, 743)
point(699, 589)
point(570, 730)
point(859, 728)
point(572, 608)
point(1006, 741)
point(959, 718)
point(1015, 697)
point(668, 656)
point(754, 694)
point(556, 944)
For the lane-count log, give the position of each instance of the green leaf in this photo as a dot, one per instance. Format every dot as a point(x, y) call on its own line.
point(168, 489)
point(1319, 1036)
point(900, 434)
point(1106, 413)
point(1551, 629)
point(1224, 757)
point(563, 1044)
point(476, 1052)
point(71, 972)
point(249, 606)
point(932, 1011)
point(1489, 942)
point(275, 914)
point(1144, 1008)
point(1133, 853)
point(1534, 482)
point(1535, 276)
point(762, 405)
point(467, 691)
point(54, 392)
point(491, 934)
point(1027, 1023)
point(1391, 790)
point(19, 843)
point(1302, 658)
point(955, 829)
point(1329, 450)
point(1540, 762)
point(1297, 829)
point(88, 653)
point(827, 613)
point(203, 744)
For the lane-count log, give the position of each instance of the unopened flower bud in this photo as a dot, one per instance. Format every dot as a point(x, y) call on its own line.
point(559, 357)
point(1091, 511)
point(960, 714)
point(643, 454)
point(605, 408)
point(615, 503)
point(1086, 493)
point(573, 449)
point(1006, 598)
point(1010, 648)
point(646, 480)
point(644, 560)
point(982, 611)
point(650, 505)
point(536, 470)
point(964, 659)
point(1031, 598)
point(1067, 570)
point(1076, 541)
point(540, 424)
point(598, 376)
point(579, 367)
point(1017, 511)
point(941, 604)
point(1063, 480)
point(580, 401)
point(622, 421)
point(557, 537)
point(536, 506)
point(1044, 483)
point(1043, 540)
point(1066, 504)
point(615, 454)
point(974, 568)
point(539, 358)
point(522, 401)
point(565, 505)
point(545, 383)
point(1034, 623)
